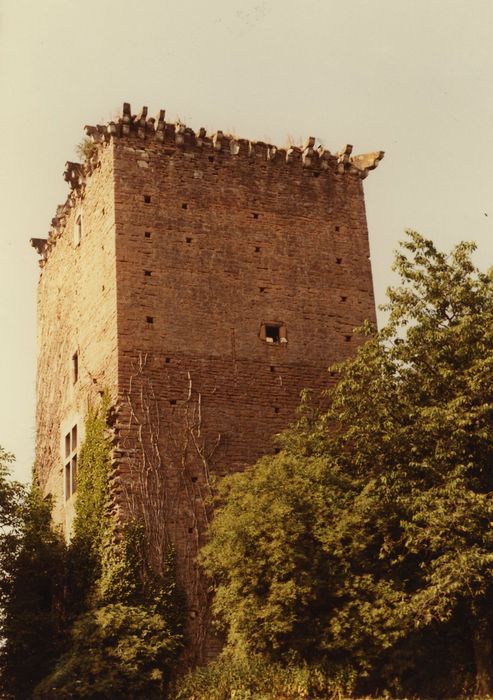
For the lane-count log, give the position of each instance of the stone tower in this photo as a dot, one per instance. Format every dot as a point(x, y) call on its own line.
point(204, 281)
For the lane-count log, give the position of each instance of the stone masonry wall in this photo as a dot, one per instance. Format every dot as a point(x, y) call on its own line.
point(215, 238)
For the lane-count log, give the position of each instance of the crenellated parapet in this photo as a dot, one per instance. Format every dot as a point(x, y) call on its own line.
point(177, 137)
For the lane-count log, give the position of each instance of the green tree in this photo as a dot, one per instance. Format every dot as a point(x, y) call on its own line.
point(31, 585)
point(371, 535)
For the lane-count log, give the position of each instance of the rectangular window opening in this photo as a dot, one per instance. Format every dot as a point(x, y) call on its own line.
point(147, 273)
point(67, 481)
point(70, 462)
point(78, 230)
point(338, 261)
point(255, 215)
point(147, 199)
point(73, 474)
point(184, 205)
point(167, 360)
point(147, 234)
point(75, 367)
point(150, 319)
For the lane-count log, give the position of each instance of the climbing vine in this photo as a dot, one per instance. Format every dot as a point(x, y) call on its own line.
point(169, 470)
point(93, 479)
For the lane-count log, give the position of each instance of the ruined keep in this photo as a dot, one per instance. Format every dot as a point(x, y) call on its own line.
point(204, 281)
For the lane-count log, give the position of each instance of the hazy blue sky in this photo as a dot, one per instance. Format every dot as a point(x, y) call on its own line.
point(411, 77)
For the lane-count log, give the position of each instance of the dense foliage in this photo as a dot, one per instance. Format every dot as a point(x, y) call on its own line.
point(368, 540)
point(118, 652)
point(257, 677)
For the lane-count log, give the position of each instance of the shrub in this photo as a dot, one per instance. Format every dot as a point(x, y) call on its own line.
point(117, 652)
point(254, 677)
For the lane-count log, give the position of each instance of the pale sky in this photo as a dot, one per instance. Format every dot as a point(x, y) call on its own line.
point(410, 77)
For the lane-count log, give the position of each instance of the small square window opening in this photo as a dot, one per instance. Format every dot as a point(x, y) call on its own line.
point(272, 334)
